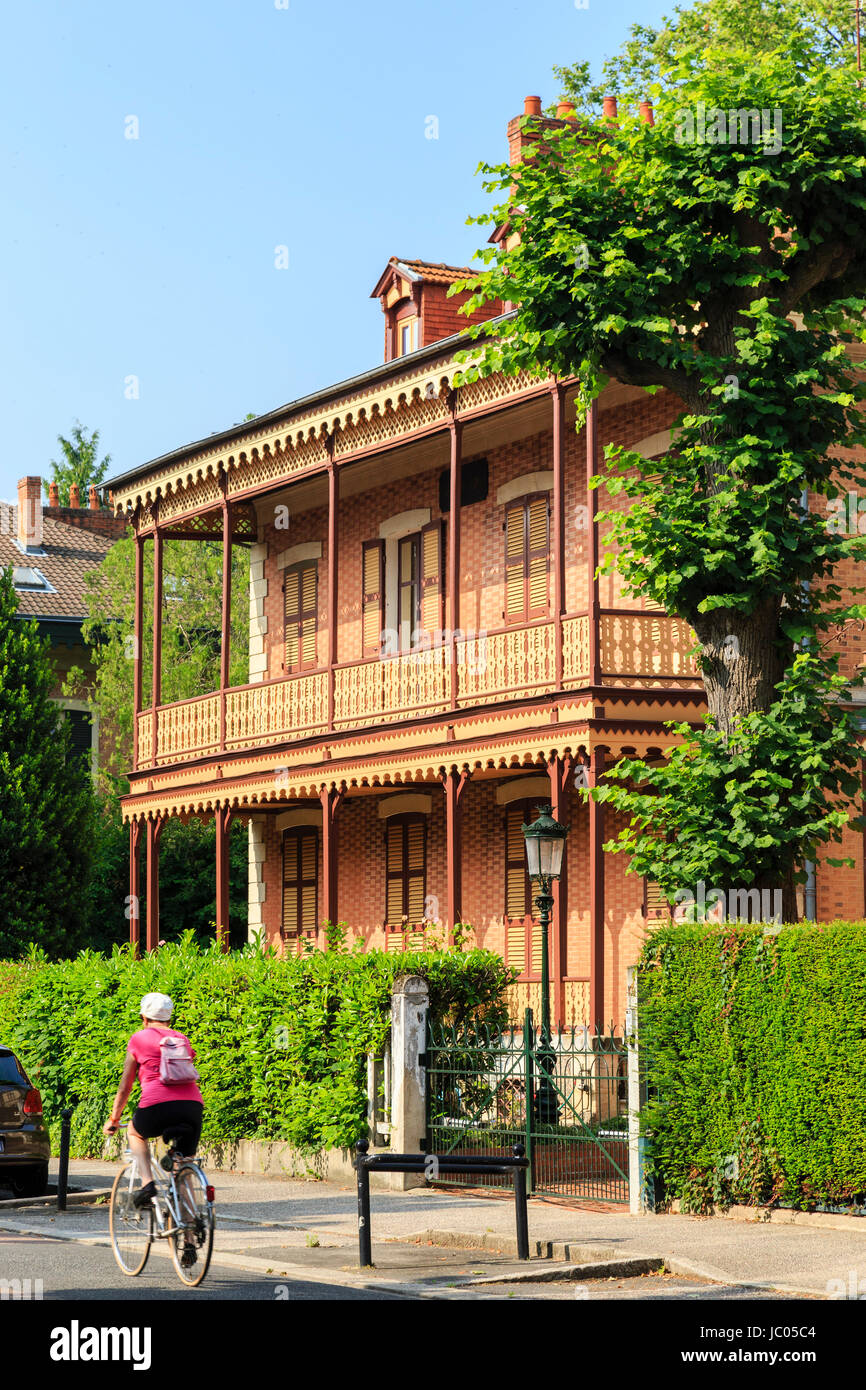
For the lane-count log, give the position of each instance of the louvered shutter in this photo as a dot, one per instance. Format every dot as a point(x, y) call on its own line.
point(373, 578)
point(515, 563)
point(431, 578)
point(406, 866)
point(300, 613)
point(537, 556)
point(300, 880)
point(517, 904)
point(415, 894)
point(655, 906)
point(394, 872)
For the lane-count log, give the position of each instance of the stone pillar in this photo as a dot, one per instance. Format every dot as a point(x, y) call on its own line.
point(409, 1002)
point(639, 1196)
point(258, 617)
point(256, 876)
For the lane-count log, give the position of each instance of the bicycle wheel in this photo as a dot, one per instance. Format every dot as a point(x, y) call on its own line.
point(191, 1241)
point(131, 1228)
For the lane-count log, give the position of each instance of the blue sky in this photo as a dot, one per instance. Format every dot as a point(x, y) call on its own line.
point(258, 127)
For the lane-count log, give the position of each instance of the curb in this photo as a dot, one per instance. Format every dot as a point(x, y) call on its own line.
point(778, 1216)
point(72, 1199)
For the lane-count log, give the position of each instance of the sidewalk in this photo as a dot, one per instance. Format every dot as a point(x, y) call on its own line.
point(276, 1223)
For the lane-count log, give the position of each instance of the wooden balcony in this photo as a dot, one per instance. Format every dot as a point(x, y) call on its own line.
point(635, 649)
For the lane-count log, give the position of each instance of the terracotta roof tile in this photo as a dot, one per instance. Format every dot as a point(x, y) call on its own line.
point(71, 552)
point(436, 271)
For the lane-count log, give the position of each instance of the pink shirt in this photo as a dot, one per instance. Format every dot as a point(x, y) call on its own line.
point(144, 1046)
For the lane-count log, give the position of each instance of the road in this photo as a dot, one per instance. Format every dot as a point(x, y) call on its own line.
point(88, 1273)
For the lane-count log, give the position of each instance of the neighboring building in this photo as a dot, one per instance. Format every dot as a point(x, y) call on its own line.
point(51, 550)
point(430, 656)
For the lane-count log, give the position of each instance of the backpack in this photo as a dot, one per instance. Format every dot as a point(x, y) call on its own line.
point(176, 1066)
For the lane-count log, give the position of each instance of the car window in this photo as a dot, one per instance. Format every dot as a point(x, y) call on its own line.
point(10, 1069)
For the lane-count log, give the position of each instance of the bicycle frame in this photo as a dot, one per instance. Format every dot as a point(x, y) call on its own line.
point(167, 1200)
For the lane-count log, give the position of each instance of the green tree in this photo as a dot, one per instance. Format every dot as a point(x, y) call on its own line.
point(191, 626)
point(81, 464)
point(46, 798)
point(730, 269)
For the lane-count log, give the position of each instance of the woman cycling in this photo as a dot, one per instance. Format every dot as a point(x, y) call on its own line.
point(161, 1107)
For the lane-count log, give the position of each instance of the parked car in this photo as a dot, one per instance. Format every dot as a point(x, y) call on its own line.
point(25, 1145)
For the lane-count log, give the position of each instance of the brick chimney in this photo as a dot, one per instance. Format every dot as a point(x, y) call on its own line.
point(30, 513)
point(53, 495)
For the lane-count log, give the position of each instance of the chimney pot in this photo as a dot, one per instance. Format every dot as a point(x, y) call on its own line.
point(532, 106)
point(93, 499)
point(646, 113)
point(608, 107)
point(53, 495)
point(74, 500)
point(565, 111)
point(30, 512)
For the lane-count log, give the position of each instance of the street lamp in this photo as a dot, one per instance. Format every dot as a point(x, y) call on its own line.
point(545, 844)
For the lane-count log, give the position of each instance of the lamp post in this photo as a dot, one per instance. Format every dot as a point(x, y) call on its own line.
point(545, 844)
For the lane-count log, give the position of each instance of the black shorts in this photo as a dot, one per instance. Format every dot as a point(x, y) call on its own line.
point(152, 1121)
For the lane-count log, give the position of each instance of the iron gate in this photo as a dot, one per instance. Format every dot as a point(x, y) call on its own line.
point(487, 1090)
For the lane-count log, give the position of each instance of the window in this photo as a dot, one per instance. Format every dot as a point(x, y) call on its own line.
point(300, 599)
point(527, 547)
point(417, 585)
point(373, 579)
point(80, 733)
point(406, 336)
point(522, 934)
point(405, 870)
point(26, 579)
point(300, 881)
point(655, 907)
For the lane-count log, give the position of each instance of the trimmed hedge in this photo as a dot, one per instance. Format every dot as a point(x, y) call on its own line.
point(281, 1044)
point(754, 1046)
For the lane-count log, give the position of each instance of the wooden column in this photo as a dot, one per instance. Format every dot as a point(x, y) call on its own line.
point(560, 773)
point(138, 638)
point(156, 688)
point(333, 541)
point(226, 625)
point(331, 799)
point(154, 832)
point(223, 816)
point(596, 893)
point(558, 528)
point(456, 432)
point(134, 904)
point(592, 547)
point(454, 784)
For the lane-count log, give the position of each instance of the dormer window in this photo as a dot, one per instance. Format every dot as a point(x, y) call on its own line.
point(27, 580)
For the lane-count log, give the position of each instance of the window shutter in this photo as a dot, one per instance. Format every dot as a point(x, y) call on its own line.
point(517, 903)
point(301, 617)
point(655, 906)
point(515, 548)
point(537, 552)
point(300, 881)
point(406, 870)
point(432, 567)
point(373, 618)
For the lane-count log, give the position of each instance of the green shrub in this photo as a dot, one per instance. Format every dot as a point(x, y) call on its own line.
point(281, 1044)
point(754, 1045)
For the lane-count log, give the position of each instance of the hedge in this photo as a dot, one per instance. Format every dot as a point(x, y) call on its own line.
point(281, 1044)
point(754, 1045)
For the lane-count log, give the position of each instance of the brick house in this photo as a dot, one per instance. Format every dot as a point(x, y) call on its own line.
point(431, 655)
point(51, 550)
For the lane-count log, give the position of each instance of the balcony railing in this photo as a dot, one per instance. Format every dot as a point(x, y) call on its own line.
point(635, 648)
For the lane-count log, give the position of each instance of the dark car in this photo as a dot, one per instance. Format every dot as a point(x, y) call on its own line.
point(25, 1145)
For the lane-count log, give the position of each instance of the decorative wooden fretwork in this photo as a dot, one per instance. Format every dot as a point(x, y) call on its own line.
point(575, 651)
point(576, 1003)
point(187, 730)
point(145, 739)
point(646, 645)
point(269, 713)
point(491, 665)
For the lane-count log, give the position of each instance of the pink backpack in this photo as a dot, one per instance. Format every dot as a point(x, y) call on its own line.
point(176, 1066)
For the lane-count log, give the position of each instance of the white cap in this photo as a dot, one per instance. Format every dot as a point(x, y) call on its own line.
point(157, 1006)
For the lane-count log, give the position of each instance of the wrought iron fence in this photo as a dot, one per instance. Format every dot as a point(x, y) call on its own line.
point(567, 1103)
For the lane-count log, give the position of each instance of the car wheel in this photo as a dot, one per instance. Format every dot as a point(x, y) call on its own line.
point(32, 1182)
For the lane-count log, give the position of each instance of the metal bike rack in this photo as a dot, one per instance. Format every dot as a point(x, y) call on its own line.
point(440, 1163)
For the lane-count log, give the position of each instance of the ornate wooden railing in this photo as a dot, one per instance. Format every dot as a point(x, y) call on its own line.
point(635, 648)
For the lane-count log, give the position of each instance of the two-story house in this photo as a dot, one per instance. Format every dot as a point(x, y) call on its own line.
point(431, 654)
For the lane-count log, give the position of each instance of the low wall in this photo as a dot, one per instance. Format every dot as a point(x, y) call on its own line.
point(276, 1160)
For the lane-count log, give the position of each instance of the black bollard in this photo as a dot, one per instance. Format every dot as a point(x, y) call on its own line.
point(520, 1211)
point(365, 1248)
point(63, 1175)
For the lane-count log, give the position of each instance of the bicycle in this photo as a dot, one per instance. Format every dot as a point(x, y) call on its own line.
point(181, 1212)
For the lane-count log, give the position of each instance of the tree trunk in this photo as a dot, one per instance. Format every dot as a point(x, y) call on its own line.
point(742, 662)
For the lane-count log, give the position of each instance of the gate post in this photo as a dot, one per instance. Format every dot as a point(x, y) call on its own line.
point(410, 999)
point(639, 1193)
